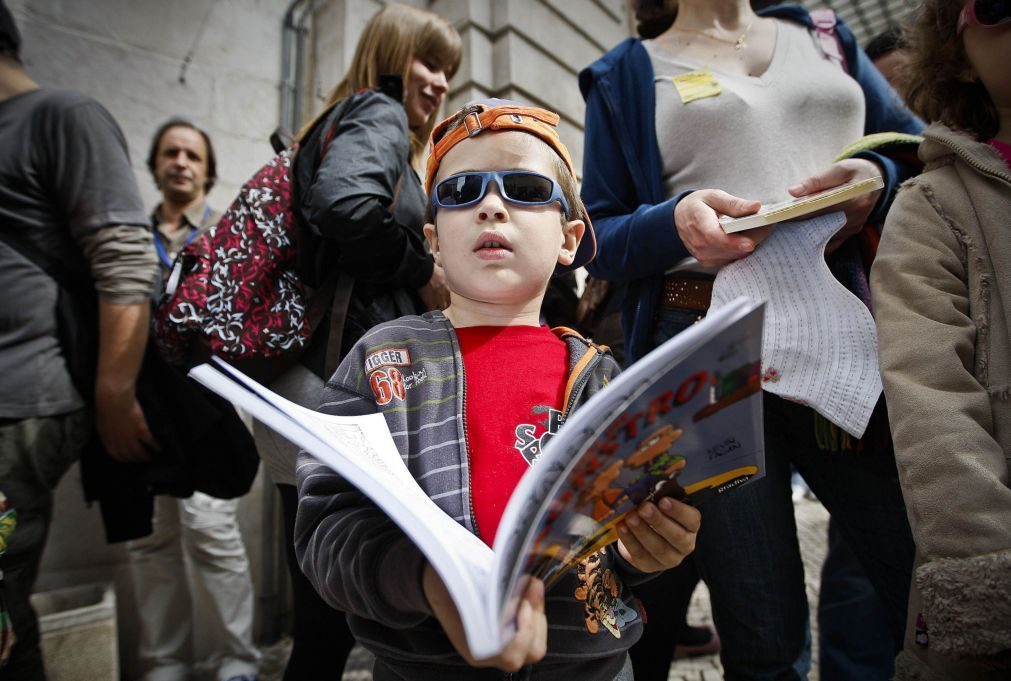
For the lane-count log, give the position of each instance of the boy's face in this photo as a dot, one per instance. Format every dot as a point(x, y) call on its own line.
point(494, 251)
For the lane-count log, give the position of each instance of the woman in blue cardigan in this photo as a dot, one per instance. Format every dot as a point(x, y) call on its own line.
point(662, 160)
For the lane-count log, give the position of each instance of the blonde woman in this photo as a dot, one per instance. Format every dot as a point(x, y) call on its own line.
point(363, 207)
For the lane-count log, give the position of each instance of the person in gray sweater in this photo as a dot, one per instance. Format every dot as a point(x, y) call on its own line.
point(469, 394)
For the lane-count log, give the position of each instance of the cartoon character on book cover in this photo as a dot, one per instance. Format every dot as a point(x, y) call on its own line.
point(607, 483)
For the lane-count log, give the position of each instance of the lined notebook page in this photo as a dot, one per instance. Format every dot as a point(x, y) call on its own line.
point(820, 346)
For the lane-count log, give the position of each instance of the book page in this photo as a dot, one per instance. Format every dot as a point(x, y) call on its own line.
point(366, 438)
point(362, 451)
point(820, 343)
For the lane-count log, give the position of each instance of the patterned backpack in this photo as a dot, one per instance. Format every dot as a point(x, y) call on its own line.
point(233, 291)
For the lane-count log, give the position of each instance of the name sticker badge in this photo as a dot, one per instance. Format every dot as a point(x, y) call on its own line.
point(697, 84)
point(398, 357)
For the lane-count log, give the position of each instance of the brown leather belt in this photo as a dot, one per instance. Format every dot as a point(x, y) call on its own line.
point(690, 293)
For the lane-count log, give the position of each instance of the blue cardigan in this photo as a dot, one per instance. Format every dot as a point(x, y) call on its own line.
point(636, 238)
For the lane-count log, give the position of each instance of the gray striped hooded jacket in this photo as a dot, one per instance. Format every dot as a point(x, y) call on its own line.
point(362, 563)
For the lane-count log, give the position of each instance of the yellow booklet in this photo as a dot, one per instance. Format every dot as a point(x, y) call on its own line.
point(793, 209)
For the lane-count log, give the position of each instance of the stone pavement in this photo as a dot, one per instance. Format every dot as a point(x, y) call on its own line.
point(812, 526)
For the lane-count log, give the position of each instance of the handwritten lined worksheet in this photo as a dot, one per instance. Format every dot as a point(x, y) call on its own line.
point(820, 346)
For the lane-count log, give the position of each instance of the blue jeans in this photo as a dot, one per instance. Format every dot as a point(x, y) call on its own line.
point(747, 550)
point(848, 652)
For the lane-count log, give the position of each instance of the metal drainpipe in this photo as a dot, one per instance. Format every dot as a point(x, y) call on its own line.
point(273, 552)
point(300, 33)
point(291, 84)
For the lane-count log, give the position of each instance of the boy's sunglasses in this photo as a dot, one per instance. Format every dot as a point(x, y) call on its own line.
point(984, 13)
point(521, 187)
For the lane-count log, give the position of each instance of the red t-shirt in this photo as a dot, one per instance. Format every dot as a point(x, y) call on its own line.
point(515, 387)
point(1004, 149)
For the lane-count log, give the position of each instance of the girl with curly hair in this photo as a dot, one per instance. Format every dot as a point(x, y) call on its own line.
point(942, 300)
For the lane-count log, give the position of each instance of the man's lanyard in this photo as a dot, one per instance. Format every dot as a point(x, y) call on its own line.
point(160, 247)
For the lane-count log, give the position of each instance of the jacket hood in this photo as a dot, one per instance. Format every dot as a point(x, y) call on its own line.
point(941, 142)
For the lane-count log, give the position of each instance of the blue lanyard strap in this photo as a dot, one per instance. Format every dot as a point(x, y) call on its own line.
point(160, 247)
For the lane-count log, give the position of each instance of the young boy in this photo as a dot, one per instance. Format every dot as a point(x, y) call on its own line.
point(469, 395)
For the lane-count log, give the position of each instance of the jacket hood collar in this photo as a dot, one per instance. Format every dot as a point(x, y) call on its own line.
point(941, 141)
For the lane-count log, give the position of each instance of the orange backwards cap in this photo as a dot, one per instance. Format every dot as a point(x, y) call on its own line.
point(503, 115)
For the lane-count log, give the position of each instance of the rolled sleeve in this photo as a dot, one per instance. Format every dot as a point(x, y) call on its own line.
point(122, 261)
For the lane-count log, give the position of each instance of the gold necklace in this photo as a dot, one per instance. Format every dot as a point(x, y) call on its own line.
point(739, 43)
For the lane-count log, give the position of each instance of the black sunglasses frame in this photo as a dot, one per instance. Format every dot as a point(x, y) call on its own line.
point(500, 179)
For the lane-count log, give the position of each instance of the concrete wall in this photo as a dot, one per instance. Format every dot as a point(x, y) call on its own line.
point(129, 55)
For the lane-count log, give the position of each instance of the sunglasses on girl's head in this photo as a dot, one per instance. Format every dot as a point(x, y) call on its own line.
point(984, 13)
point(520, 187)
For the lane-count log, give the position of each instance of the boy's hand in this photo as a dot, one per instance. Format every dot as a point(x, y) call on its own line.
point(658, 536)
point(528, 646)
